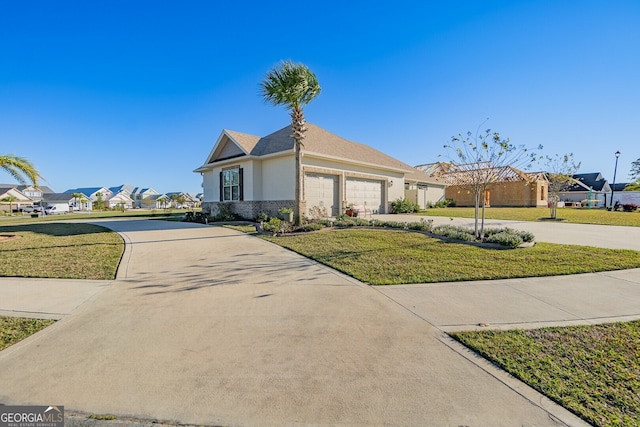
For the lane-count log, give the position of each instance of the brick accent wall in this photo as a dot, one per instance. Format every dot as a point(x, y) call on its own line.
point(250, 210)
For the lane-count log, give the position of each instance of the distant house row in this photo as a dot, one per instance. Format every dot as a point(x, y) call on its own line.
point(125, 196)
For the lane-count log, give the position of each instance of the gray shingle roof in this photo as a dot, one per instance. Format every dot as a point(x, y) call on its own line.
point(324, 143)
point(594, 180)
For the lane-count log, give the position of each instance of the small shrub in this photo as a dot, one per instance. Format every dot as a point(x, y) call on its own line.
point(393, 224)
point(527, 237)
point(446, 203)
point(455, 232)
point(273, 226)
point(361, 222)
point(345, 222)
point(629, 207)
point(404, 206)
point(505, 238)
point(325, 222)
point(421, 226)
point(376, 223)
point(313, 226)
point(262, 217)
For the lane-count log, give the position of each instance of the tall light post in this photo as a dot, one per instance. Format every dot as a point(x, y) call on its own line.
point(614, 180)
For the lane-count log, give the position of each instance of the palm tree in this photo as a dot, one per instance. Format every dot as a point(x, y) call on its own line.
point(20, 168)
point(77, 197)
point(10, 200)
point(292, 85)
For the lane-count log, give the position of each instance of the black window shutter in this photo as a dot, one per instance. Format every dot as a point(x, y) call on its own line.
point(241, 182)
point(221, 189)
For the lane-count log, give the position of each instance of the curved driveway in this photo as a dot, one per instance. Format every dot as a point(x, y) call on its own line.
point(208, 326)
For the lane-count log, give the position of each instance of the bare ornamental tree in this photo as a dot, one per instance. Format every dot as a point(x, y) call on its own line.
point(560, 171)
point(482, 159)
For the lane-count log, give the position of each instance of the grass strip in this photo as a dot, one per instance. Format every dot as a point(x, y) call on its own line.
point(594, 371)
point(389, 257)
point(14, 329)
point(60, 250)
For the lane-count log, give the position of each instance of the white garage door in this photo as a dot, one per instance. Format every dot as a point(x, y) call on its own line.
point(365, 192)
point(321, 190)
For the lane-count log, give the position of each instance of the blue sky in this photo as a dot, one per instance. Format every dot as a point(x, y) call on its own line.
point(102, 93)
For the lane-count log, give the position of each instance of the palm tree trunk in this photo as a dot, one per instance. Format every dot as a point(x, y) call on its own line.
point(298, 129)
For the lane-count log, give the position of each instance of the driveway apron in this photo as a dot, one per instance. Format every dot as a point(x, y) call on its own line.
point(208, 326)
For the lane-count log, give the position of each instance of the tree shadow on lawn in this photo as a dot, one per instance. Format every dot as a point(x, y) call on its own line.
point(56, 229)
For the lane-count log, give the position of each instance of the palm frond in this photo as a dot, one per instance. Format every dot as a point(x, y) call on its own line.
point(20, 168)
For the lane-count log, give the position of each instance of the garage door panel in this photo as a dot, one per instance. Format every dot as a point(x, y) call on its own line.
point(322, 190)
point(365, 192)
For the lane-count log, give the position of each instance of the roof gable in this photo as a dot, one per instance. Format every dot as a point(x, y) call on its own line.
point(230, 145)
point(12, 191)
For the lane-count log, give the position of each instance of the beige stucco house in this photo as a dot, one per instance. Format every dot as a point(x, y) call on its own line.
point(257, 174)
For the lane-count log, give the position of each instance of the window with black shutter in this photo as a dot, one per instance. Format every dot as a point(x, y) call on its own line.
point(231, 185)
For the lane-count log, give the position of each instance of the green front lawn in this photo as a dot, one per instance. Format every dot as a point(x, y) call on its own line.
point(593, 371)
point(572, 215)
point(60, 250)
point(14, 329)
point(389, 257)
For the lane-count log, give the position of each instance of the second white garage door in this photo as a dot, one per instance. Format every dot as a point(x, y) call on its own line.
point(321, 190)
point(366, 192)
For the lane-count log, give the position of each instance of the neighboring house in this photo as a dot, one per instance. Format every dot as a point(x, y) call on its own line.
point(9, 191)
point(257, 174)
point(619, 195)
point(140, 196)
point(91, 193)
point(34, 193)
point(120, 200)
point(513, 187)
point(144, 197)
point(188, 201)
point(53, 198)
point(423, 189)
point(160, 201)
point(589, 189)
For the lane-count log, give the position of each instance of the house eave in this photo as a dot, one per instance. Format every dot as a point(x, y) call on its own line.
point(354, 162)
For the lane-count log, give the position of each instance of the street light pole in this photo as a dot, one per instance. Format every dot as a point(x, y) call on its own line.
point(614, 179)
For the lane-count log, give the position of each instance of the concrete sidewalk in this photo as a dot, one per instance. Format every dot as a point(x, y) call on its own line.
point(208, 326)
point(524, 303)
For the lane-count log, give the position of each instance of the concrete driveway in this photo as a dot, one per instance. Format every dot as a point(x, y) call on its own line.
point(208, 326)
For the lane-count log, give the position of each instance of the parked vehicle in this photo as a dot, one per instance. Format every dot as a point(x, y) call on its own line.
point(56, 209)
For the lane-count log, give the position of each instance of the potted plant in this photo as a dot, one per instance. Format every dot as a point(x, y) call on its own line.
point(286, 214)
point(348, 210)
